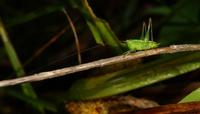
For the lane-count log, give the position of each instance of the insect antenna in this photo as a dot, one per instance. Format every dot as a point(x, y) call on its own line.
point(143, 31)
point(151, 29)
point(147, 34)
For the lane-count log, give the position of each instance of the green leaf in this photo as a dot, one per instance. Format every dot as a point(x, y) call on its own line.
point(108, 36)
point(95, 32)
point(100, 29)
point(133, 78)
point(193, 96)
point(17, 66)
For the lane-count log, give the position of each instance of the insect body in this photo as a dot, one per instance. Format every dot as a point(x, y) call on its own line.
point(144, 42)
point(138, 45)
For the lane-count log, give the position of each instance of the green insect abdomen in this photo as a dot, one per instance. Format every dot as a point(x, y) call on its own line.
point(137, 45)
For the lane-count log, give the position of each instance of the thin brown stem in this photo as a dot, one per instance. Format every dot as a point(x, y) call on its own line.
point(100, 63)
point(75, 35)
point(45, 46)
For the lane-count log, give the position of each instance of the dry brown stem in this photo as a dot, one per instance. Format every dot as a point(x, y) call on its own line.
point(99, 63)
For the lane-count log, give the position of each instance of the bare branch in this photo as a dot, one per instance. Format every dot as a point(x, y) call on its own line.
point(100, 63)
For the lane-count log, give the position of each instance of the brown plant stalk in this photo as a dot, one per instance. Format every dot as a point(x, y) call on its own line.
point(100, 63)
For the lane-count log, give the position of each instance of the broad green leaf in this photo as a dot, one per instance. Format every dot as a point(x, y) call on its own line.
point(193, 96)
point(133, 78)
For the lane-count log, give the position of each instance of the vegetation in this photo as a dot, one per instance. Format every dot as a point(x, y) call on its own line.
point(37, 37)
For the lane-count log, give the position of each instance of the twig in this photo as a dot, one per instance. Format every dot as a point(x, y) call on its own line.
point(100, 63)
point(75, 35)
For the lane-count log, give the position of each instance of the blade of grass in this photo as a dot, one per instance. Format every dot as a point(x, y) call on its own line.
point(100, 28)
point(13, 58)
point(17, 66)
point(96, 34)
point(35, 103)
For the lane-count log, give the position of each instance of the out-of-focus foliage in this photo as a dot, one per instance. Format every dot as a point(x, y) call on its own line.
point(183, 24)
point(17, 66)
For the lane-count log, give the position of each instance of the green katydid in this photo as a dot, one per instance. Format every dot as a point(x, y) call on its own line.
point(144, 42)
